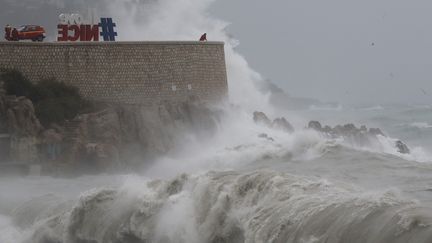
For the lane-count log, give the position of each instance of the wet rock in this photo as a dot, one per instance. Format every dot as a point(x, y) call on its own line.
point(18, 119)
point(315, 125)
point(283, 124)
point(350, 127)
point(402, 148)
point(278, 123)
point(327, 129)
point(21, 117)
point(346, 130)
point(358, 136)
point(124, 136)
point(52, 136)
point(24, 149)
point(376, 131)
point(261, 118)
point(265, 136)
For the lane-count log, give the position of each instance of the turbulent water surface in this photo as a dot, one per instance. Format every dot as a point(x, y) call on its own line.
point(240, 187)
point(237, 186)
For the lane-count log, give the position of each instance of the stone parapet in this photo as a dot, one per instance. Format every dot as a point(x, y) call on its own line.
point(125, 72)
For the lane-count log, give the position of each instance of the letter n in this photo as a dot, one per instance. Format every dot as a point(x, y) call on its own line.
point(92, 32)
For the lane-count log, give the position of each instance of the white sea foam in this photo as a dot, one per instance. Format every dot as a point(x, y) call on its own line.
point(337, 107)
point(421, 125)
point(9, 232)
point(187, 20)
point(260, 206)
point(235, 206)
point(373, 108)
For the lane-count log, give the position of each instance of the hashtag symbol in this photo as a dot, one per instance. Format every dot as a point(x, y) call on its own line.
point(108, 32)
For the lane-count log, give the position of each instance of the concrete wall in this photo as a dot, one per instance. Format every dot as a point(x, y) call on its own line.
point(125, 72)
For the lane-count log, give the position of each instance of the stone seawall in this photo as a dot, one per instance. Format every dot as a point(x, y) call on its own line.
point(125, 72)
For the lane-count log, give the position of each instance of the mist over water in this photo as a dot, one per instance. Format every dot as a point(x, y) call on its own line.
point(238, 186)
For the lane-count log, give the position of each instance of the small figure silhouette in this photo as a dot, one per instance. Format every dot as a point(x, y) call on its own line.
point(204, 37)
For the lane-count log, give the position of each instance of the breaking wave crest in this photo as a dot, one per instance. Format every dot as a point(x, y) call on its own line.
point(262, 206)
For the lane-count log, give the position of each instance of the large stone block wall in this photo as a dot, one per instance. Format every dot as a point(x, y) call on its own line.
point(125, 72)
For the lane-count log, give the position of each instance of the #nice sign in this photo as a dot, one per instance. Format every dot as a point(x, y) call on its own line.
point(73, 28)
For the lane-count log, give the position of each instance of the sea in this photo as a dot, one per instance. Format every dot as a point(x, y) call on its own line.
point(240, 186)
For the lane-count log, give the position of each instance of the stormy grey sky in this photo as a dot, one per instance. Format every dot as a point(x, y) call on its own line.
point(311, 48)
point(323, 48)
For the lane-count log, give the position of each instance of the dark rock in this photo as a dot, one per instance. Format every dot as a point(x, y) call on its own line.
point(316, 125)
point(21, 117)
point(402, 148)
point(279, 123)
point(283, 124)
point(327, 129)
point(18, 119)
point(376, 131)
point(263, 135)
point(359, 136)
point(51, 136)
point(350, 127)
point(261, 118)
point(345, 130)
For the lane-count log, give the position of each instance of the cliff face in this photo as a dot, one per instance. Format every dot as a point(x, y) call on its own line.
point(20, 127)
point(116, 137)
point(127, 136)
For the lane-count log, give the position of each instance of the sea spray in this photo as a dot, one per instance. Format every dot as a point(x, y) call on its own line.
point(261, 206)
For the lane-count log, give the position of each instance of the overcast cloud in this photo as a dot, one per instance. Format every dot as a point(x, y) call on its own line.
point(369, 51)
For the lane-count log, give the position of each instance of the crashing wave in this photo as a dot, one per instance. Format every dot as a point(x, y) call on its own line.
point(263, 206)
point(420, 125)
point(373, 108)
point(326, 107)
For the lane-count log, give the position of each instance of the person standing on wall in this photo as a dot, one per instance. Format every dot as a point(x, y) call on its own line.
point(8, 30)
point(204, 37)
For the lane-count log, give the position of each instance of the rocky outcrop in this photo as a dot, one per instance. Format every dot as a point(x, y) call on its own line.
point(402, 148)
point(115, 136)
point(315, 125)
point(283, 124)
point(261, 118)
point(20, 116)
point(360, 136)
point(376, 131)
point(123, 136)
point(265, 136)
point(18, 119)
point(278, 123)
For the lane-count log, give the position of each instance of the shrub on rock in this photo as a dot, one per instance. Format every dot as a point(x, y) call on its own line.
point(54, 101)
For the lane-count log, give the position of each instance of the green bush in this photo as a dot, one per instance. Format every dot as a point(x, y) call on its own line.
point(54, 101)
point(15, 83)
